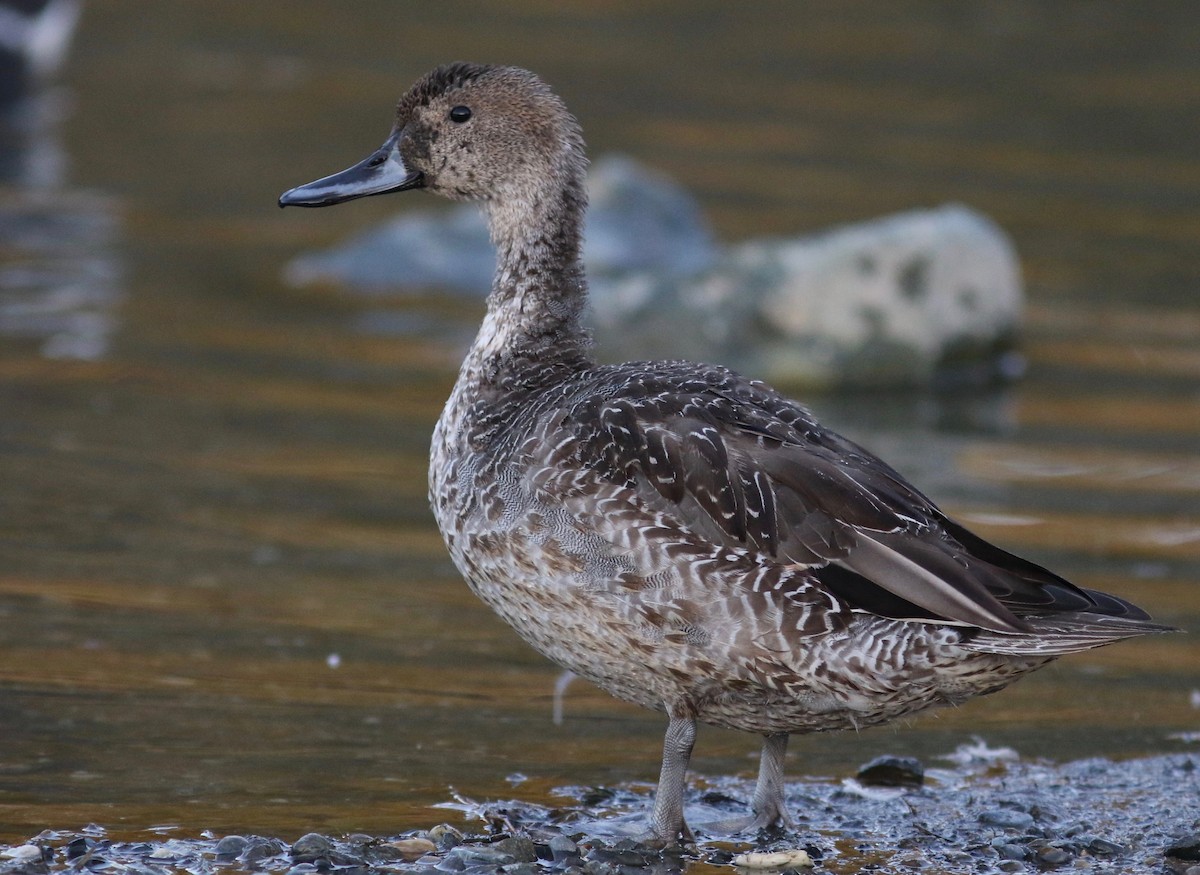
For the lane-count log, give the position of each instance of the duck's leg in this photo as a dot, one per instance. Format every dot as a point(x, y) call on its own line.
point(768, 806)
point(667, 826)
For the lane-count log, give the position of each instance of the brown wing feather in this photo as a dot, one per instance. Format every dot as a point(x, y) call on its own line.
point(748, 468)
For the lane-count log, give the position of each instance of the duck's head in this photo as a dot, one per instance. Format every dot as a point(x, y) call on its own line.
point(466, 132)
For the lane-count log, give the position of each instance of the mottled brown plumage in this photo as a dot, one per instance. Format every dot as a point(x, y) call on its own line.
point(681, 536)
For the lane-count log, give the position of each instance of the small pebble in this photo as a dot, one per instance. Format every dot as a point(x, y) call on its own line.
point(794, 859)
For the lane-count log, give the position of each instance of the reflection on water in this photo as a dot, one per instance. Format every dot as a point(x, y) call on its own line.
point(59, 275)
point(60, 281)
point(230, 491)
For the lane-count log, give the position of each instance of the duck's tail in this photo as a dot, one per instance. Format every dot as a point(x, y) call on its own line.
point(1061, 633)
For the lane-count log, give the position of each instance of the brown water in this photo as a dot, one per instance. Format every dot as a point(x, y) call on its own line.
point(194, 522)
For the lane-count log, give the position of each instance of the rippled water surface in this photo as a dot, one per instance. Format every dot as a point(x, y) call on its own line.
point(223, 603)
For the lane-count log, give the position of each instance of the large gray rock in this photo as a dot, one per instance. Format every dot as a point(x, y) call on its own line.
point(894, 301)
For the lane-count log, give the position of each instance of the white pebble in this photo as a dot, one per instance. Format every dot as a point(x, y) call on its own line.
point(776, 860)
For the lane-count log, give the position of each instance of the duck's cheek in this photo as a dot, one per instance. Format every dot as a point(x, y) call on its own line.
point(417, 150)
point(451, 181)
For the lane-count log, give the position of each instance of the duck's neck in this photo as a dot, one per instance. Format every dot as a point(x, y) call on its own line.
point(535, 309)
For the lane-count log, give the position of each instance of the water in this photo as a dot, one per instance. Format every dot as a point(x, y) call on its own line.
point(223, 604)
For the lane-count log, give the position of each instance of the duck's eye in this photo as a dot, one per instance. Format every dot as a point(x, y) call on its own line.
point(460, 114)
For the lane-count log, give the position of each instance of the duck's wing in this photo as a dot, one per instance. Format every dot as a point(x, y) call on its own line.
point(742, 466)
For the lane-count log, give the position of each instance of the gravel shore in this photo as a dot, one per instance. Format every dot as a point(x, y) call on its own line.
point(984, 812)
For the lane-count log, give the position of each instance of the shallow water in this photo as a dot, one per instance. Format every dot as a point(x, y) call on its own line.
point(223, 604)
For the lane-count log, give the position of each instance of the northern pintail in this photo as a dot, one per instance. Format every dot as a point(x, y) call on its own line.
point(688, 539)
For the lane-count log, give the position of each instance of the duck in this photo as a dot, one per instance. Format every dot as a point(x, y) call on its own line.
point(686, 538)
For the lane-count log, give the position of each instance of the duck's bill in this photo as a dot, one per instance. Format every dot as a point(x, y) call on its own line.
point(381, 172)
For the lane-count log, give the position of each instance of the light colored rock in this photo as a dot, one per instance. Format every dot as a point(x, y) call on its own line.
point(892, 301)
point(22, 853)
point(413, 848)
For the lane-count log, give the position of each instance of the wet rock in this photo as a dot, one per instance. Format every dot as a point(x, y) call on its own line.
point(312, 848)
point(633, 858)
point(1006, 818)
point(519, 847)
point(1007, 850)
point(1186, 848)
point(230, 846)
point(413, 848)
point(721, 800)
point(22, 854)
point(892, 771)
point(445, 836)
point(78, 847)
point(562, 849)
point(473, 855)
point(451, 863)
point(1103, 848)
point(1052, 856)
point(259, 849)
point(30, 866)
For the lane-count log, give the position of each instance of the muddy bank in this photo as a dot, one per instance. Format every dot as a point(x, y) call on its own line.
point(981, 810)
